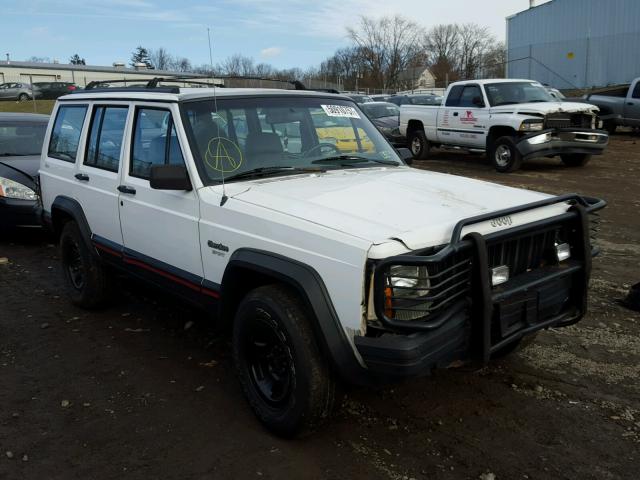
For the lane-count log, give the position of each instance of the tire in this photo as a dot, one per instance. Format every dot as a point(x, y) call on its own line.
point(87, 282)
point(283, 374)
point(504, 155)
point(610, 126)
point(575, 159)
point(418, 144)
point(23, 97)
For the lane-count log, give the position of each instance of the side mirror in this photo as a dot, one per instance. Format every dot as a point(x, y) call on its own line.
point(477, 101)
point(169, 177)
point(406, 155)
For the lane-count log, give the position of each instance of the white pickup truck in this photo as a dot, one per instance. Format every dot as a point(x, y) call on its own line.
point(511, 120)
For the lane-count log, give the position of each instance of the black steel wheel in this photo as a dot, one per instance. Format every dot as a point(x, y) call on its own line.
point(87, 281)
point(283, 374)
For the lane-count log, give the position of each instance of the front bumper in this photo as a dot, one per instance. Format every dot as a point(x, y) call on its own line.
point(16, 213)
point(562, 141)
point(488, 318)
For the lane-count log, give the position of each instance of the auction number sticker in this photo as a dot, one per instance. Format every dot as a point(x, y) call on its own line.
point(340, 111)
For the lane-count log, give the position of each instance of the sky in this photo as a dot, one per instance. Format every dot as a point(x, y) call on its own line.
point(285, 33)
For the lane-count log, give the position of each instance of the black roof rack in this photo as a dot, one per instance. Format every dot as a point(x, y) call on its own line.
point(153, 84)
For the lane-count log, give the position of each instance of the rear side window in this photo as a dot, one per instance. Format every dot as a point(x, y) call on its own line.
point(453, 99)
point(105, 137)
point(636, 90)
point(155, 142)
point(65, 136)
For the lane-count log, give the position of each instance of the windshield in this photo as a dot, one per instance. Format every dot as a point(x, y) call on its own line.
point(247, 135)
point(508, 93)
point(21, 139)
point(379, 110)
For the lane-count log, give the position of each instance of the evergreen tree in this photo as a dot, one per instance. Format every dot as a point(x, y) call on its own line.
point(141, 55)
point(77, 60)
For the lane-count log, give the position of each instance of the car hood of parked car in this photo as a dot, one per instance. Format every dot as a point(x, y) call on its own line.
point(416, 207)
point(545, 108)
point(21, 168)
point(387, 122)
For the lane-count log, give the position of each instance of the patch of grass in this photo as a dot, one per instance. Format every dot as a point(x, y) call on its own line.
point(42, 106)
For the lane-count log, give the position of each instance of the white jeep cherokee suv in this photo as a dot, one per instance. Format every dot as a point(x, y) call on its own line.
point(290, 217)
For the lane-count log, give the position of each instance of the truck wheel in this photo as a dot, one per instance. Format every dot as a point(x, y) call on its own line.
point(86, 280)
point(504, 155)
point(419, 145)
point(610, 126)
point(283, 374)
point(576, 159)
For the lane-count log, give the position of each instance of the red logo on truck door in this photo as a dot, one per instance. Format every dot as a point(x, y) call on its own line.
point(467, 117)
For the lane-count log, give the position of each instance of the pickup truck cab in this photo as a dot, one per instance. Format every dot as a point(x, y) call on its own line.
point(325, 264)
point(619, 106)
point(511, 120)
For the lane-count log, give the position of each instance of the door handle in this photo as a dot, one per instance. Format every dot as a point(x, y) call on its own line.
point(125, 189)
point(455, 114)
point(630, 103)
point(83, 177)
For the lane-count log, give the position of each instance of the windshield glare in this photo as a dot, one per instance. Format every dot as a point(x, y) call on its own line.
point(22, 138)
point(381, 110)
point(249, 133)
point(508, 93)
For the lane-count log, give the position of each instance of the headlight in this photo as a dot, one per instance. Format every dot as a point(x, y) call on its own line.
point(13, 189)
point(531, 125)
point(408, 281)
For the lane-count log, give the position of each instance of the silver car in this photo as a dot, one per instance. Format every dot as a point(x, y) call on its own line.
point(16, 91)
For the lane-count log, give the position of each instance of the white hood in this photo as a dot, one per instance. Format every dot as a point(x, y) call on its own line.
point(545, 108)
point(417, 207)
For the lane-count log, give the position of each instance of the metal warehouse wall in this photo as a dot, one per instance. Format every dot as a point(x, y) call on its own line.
point(576, 43)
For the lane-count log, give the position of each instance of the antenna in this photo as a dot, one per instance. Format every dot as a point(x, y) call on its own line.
point(224, 198)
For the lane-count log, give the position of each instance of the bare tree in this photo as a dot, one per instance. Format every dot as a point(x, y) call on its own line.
point(474, 43)
point(388, 46)
point(161, 58)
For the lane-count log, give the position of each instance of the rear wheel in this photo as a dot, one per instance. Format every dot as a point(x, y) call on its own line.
point(575, 159)
point(283, 374)
point(504, 154)
point(419, 145)
point(23, 97)
point(86, 280)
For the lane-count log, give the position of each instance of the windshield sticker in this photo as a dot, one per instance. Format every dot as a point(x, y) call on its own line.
point(340, 111)
point(223, 155)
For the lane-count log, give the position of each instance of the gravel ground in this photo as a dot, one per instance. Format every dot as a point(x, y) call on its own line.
point(145, 389)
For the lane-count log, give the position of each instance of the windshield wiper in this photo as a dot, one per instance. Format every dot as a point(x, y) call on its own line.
point(349, 159)
point(264, 171)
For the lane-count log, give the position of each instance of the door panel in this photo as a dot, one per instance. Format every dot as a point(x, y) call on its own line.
point(162, 225)
point(98, 170)
point(463, 122)
point(632, 106)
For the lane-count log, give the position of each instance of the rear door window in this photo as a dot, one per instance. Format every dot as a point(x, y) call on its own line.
point(65, 136)
point(105, 137)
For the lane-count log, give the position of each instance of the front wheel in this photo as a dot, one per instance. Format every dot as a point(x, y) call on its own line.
point(419, 145)
point(575, 159)
point(282, 372)
point(504, 155)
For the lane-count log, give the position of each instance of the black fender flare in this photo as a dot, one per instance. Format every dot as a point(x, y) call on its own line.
point(72, 208)
point(307, 282)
